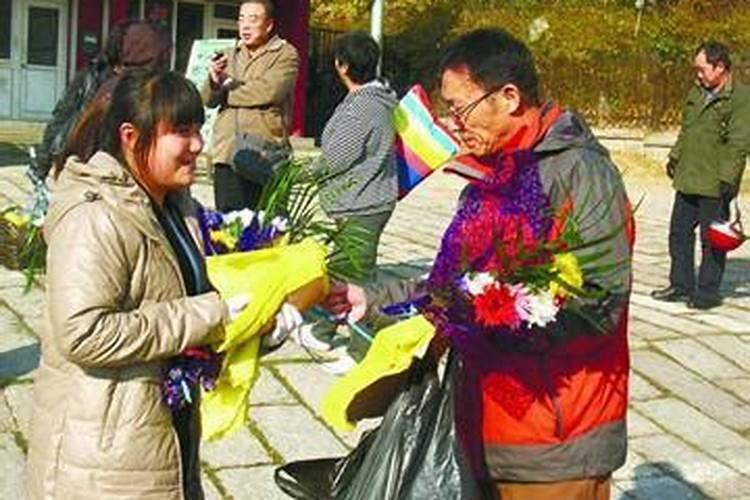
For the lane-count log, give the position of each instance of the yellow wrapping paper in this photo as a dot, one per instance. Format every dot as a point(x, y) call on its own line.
point(391, 353)
point(268, 277)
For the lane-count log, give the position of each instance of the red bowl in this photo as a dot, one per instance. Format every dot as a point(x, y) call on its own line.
point(725, 236)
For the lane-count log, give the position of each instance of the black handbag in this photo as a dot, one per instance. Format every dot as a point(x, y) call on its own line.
point(255, 158)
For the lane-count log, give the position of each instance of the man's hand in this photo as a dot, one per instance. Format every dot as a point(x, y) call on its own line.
point(346, 299)
point(727, 191)
point(217, 69)
point(671, 165)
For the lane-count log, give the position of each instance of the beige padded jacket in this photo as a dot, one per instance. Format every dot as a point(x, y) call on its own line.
point(116, 310)
point(259, 99)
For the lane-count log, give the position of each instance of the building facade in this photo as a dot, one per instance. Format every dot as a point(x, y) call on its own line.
point(44, 42)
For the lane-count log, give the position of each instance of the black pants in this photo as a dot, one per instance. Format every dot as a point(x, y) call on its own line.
point(367, 230)
point(232, 191)
point(688, 212)
point(187, 423)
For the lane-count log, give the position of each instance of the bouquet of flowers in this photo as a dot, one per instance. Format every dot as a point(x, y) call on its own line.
point(240, 231)
point(525, 289)
point(513, 278)
point(274, 255)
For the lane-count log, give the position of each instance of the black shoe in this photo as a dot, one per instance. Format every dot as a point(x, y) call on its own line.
point(671, 294)
point(703, 302)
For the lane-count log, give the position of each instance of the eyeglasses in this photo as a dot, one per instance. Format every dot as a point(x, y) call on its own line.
point(461, 115)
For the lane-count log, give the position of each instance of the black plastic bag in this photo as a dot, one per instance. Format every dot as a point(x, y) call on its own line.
point(415, 454)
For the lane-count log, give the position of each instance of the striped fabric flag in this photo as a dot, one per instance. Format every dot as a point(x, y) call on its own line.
point(422, 144)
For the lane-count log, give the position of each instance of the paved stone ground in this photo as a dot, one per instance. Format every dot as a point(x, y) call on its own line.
point(689, 420)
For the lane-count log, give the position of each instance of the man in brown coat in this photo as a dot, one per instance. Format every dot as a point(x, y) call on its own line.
point(252, 84)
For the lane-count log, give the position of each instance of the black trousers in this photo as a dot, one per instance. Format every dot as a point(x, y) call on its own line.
point(366, 230)
point(232, 191)
point(688, 212)
point(187, 423)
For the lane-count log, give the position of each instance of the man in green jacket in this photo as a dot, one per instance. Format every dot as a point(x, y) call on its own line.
point(706, 165)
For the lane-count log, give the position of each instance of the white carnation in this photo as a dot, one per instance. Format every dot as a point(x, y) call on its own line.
point(537, 309)
point(475, 283)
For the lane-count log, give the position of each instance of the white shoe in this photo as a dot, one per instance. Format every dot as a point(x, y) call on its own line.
point(340, 366)
point(304, 337)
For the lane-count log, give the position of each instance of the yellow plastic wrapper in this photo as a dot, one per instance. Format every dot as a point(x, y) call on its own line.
point(269, 277)
point(360, 393)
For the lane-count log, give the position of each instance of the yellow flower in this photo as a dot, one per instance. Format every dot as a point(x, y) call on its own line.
point(16, 218)
point(567, 269)
point(224, 238)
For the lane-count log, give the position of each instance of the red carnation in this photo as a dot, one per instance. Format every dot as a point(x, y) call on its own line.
point(496, 306)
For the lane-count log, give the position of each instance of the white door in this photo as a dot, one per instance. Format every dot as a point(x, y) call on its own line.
point(43, 57)
point(7, 62)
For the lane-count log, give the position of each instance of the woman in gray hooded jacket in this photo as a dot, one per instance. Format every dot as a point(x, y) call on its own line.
point(357, 165)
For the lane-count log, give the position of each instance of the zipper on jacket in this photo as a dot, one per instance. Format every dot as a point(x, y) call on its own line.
point(559, 427)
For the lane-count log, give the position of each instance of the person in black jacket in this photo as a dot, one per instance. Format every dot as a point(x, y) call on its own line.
point(80, 90)
point(131, 43)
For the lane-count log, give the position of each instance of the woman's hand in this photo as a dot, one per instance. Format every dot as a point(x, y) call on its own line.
point(235, 305)
point(288, 319)
point(346, 299)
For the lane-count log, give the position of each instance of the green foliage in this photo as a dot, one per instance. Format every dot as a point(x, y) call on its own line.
point(293, 193)
point(615, 63)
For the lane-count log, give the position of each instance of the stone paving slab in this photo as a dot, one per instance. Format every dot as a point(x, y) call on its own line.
point(680, 459)
point(641, 389)
point(690, 425)
point(739, 387)
point(638, 425)
point(244, 451)
point(251, 483)
point(700, 358)
point(295, 433)
point(685, 384)
point(11, 468)
point(689, 422)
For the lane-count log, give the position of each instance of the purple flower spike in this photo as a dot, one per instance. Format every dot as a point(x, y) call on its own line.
point(249, 240)
point(267, 235)
point(408, 308)
point(196, 366)
point(213, 219)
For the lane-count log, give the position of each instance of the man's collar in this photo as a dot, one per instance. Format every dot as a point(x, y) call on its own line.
point(725, 90)
point(274, 43)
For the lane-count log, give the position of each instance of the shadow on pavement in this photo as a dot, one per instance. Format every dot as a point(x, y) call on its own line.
point(670, 486)
point(19, 361)
point(13, 154)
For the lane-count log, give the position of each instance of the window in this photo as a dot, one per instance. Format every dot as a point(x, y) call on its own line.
point(160, 11)
point(227, 33)
point(189, 28)
point(225, 11)
point(133, 9)
point(42, 36)
point(6, 12)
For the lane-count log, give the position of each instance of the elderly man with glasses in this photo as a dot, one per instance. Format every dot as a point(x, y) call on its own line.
point(542, 415)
